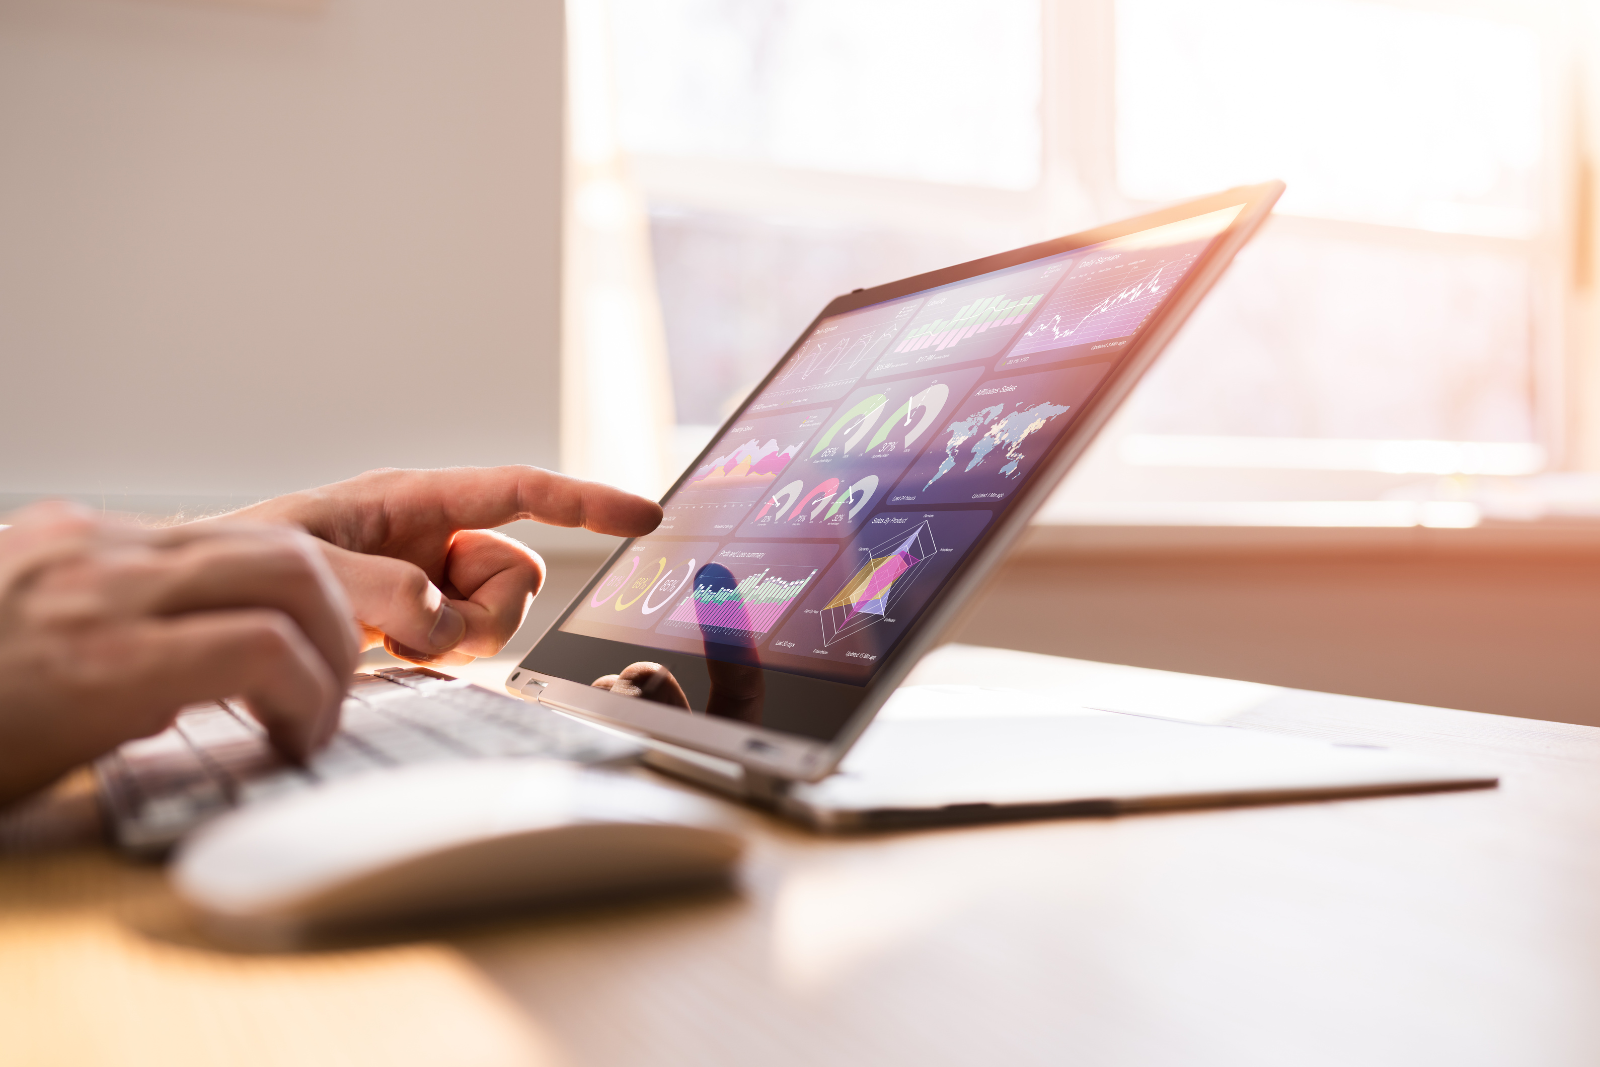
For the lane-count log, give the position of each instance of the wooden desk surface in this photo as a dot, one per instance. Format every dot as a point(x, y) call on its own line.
point(1459, 928)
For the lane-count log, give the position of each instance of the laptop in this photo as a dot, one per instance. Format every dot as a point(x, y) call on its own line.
point(808, 558)
point(862, 493)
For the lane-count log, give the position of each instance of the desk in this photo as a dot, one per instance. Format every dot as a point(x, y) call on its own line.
point(1459, 928)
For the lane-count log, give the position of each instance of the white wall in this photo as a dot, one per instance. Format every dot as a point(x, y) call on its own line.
point(246, 248)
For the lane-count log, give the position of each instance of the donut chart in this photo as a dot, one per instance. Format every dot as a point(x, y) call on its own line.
point(612, 583)
point(643, 584)
point(667, 585)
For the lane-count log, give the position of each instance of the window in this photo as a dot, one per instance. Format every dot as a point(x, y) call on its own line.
point(1401, 319)
point(837, 85)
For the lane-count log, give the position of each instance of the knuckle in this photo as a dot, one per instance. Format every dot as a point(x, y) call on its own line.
point(269, 634)
point(291, 555)
point(296, 557)
point(86, 659)
point(411, 586)
point(89, 582)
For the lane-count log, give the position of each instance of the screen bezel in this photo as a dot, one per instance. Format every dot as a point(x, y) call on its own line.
point(795, 757)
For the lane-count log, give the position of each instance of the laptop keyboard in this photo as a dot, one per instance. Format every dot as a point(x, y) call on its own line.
point(216, 757)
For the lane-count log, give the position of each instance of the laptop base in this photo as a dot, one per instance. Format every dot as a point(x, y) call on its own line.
point(955, 754)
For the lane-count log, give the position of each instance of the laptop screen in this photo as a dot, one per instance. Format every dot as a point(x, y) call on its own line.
point(820, 524)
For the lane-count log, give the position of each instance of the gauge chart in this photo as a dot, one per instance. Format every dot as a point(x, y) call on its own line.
point(889, 420)
point(642, 583)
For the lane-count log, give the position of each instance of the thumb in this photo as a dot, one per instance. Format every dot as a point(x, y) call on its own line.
point(395, 600)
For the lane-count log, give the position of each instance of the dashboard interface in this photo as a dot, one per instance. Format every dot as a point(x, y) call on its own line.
point(819, 525)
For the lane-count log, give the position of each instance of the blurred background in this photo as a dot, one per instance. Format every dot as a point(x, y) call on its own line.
point(251, 246)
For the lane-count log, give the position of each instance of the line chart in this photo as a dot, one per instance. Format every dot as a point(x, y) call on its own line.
point(1107, 300)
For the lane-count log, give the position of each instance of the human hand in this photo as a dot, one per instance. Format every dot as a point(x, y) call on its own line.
point(426, 575)
point(738, 690)
point(108, 628)
point(646, 680)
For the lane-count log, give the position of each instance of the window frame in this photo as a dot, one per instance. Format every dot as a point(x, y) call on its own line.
point(1078, 189)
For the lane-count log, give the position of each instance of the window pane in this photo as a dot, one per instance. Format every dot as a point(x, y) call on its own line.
point(1322, 337)
point(736, 292)
point(1369, 111)
point(936, 90)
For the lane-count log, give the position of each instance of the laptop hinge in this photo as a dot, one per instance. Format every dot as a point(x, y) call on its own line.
point(721, 775)
point(764, 789)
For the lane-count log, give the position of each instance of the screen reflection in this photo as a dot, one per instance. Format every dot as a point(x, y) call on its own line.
point(738, 687)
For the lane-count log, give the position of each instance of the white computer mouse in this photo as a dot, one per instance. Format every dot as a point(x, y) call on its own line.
point(444, 839)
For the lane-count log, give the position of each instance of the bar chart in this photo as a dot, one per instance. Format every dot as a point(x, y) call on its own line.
point(753, 605)
point(970, 320)
point(745, 590)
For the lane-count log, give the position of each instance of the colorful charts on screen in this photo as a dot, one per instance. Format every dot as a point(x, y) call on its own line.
point(971, 321)
point(713, 518)
point(878, 587)
point(879, 584)
point(744, 590)
point(857, 454)
point(643, 583)
point(741, 469)
point(996, 438)
point(834, 355)
point(889, 420)
point(1110, 291)
point(747, 459)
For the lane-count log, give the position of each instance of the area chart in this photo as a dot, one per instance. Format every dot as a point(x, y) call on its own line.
point(751, 465)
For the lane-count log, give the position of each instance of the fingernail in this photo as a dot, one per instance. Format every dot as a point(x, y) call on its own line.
point(395, 648)
point(448, 631)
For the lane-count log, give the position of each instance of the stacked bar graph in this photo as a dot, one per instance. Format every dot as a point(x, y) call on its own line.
point(754, 605)
point(975, 318)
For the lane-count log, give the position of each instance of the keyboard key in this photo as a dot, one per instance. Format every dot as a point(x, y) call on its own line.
point(271, 783)
point(216, 755)
point(215, 725)
point(343, 757)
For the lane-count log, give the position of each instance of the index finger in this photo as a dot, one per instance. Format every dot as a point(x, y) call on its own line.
point(382, 510)
point(478, 498)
